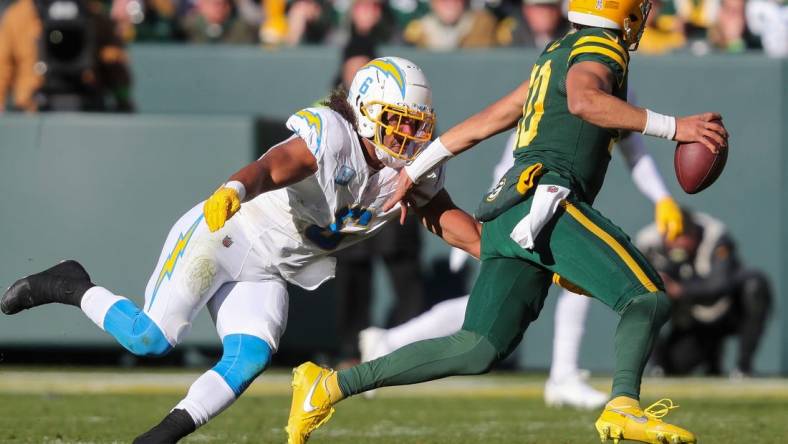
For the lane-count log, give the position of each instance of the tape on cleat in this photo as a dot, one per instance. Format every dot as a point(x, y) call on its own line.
point(676, 440)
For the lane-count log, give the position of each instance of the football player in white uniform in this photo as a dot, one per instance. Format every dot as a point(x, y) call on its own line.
point(274, 221)
point(567, 384)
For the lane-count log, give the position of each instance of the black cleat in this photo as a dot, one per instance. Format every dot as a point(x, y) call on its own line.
point(64, 283)
point(177, 424)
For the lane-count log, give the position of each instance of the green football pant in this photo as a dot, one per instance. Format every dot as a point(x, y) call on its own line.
point(582, 246)
point(579, 244)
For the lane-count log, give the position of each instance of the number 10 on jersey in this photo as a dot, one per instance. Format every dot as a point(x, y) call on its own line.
point(533, 108)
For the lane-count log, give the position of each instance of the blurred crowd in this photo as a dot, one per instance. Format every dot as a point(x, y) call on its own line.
point(698, 25)
point(70, 54)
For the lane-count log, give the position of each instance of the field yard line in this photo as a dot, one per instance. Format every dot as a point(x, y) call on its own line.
point(277, 383)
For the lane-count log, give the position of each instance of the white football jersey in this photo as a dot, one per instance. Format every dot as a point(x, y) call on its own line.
point(297, 227)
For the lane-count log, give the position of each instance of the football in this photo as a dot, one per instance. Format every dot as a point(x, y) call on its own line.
point(697, 167)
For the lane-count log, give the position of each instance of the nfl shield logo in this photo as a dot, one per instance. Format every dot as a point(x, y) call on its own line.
point(227, 241)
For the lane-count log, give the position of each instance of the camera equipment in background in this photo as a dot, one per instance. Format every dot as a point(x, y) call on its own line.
point(67, 57)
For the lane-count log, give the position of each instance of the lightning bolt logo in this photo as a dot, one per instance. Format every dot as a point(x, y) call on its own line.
point(313, 121)
point(389, 69)
point(172, 260)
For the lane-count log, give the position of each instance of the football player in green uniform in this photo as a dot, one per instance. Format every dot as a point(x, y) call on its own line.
point(539, 227)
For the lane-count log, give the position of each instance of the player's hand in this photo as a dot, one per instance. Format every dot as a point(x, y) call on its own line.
point(221, 206)
point(672, 288)
point(701, 128)
point(670, 223)
point(404, 186)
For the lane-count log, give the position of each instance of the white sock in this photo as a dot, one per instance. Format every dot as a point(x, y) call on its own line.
point(570, 318)
point(96, 302)
point(442, 319)
point(207, 397)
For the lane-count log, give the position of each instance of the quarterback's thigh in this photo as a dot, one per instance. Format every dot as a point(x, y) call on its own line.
point(251, 308)
point(508, 295)
point(593, 253)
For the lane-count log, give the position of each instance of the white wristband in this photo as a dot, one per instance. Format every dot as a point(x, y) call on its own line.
point(427, 160)
point(659, 125)
point(238, 187)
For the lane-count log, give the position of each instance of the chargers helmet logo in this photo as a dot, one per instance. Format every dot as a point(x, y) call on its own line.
point(389, 69)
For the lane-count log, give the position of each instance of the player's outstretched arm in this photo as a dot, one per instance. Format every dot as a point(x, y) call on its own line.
point(458, 228)
point(588, 90)
point(284, 164)
point(498, 117)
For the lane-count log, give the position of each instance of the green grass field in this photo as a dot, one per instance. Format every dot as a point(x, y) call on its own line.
point(106, 407)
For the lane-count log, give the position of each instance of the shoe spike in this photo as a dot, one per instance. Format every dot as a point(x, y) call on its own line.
point(616, 435)
point(604, 434)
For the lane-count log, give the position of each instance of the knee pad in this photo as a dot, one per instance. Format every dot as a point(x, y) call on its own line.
point(479, 354)
point(654, 305)
point(135, 331)
point(244, 357)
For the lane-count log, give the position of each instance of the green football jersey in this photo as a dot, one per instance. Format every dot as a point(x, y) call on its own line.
point(548, 133)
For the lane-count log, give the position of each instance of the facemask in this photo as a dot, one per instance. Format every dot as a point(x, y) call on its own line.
point(389, 160)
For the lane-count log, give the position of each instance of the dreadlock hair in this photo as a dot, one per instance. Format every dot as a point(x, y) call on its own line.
point(337, 101)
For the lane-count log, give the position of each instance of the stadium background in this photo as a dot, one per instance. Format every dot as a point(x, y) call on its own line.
point(105, 188)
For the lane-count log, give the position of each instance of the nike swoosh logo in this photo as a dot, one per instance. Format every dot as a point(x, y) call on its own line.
point(308, 407)
point(639, 419)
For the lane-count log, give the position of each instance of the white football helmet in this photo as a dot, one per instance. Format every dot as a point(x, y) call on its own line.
point(388, 94)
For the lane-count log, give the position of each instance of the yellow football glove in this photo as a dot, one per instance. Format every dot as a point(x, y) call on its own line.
point(221, 206)
point(670, 223)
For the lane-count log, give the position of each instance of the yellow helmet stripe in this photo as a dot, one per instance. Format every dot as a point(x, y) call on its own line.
point(603, 41)
point(591, 49)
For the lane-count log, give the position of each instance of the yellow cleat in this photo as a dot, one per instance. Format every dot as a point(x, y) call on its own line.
point(624, 419)
point(312, 403)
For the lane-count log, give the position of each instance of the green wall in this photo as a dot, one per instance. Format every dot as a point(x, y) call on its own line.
point(89, 177)
point(782, 122)
point(104, 190)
